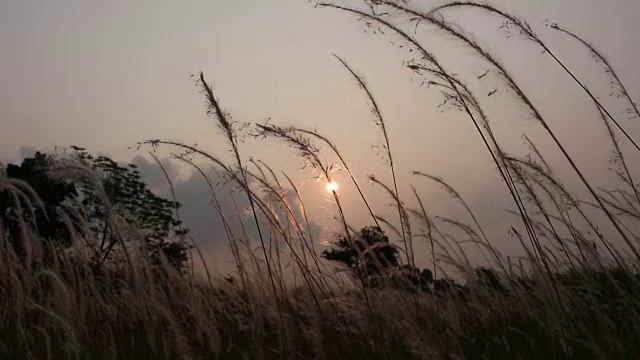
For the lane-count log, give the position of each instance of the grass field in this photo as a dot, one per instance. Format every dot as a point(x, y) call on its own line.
point(574, 295)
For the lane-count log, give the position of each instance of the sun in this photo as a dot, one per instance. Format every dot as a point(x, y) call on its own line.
point(332, 186)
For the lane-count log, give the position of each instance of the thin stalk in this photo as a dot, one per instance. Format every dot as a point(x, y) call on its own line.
point(380, 122)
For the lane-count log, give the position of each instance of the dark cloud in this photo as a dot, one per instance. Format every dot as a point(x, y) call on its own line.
point(152, 174)
point(199, 214)
point(192, 191)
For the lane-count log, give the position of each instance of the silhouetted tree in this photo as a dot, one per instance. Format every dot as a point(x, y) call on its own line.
point(117, 194)
point(370, 255)
point(366, 253)
point(18, 206)
point(129, 199)
point(489, 279)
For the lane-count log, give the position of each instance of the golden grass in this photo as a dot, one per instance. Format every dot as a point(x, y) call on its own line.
point(572, 301)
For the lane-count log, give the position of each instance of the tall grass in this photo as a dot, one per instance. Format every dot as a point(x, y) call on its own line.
point(568, 299)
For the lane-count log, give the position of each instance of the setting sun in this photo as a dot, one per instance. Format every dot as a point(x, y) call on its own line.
point(332, 186)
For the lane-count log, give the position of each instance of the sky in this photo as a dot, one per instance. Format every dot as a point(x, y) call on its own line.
point(105, 75)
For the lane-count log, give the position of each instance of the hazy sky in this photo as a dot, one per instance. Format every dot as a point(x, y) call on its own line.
point(106, 74)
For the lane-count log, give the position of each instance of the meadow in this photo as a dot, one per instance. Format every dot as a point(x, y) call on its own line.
point(573, 294)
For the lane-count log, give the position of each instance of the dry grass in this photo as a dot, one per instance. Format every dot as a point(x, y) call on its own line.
point(576, 298)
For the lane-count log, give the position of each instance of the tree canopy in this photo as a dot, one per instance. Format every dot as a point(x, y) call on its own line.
point(116, 195)
point(18, 203)
point(370, 256)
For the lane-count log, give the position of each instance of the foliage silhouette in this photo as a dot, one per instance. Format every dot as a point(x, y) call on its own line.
point(371, 256)
point(16, 204)
point(119, 193)
point(566, 304)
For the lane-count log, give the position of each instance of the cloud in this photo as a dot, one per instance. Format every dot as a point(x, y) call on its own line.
point(153, 175)
point(24, 152)
point(27, 152)
point(199, 214)
point(192, 191)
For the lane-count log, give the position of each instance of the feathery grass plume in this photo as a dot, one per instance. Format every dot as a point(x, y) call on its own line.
point(379, 122)
point(405, 230)
point(619, 160)
point(526, 30)
point(575, 203)
point(497, 154)
point(240, 180)
point(311, 248)
point(69, 308)
point(227, 127)
point(310, 154)
point(315, 134)
point(564, 201)
point(563, 211)
point(217, 205)
point(310, 244)
point(422, 215)
point(618, 86)
point(182, 233)
point(304, 242)
point(459, 198)
point(272, 206)
point(444, 26)
point(616, 81)
point(80, 170)
point(287, 236)
point(519, 95)
point(457, 94)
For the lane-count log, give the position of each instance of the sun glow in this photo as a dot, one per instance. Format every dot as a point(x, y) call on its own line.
point(332, 186)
